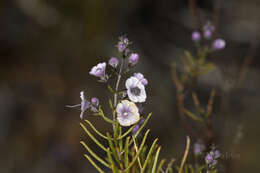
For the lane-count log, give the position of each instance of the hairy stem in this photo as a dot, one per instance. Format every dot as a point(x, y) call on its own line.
point(116, 91)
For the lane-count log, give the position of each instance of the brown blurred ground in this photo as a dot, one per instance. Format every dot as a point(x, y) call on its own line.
point(48, 47)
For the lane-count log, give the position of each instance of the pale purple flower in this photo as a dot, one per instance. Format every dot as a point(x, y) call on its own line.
point(113, 62)
point(196, 36)
point(212, 158)
point(133, 58)
point(99, 70)
point(219, 44)
point(127, 113)
point(84, 104)
point(199, 147)
point(140, 76)
point(135, 90)
point(94, 101)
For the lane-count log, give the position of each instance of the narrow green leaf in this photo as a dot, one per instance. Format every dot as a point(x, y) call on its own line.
point(191, 169)
point(126, 133)
point(110, 159)
point(94, 154)
point(120, 140)
point(192, 116)
point(141, 128)
point(169, 166)
point(149, 155)
point(126, 152)
point(206, 68)
point(94, 164)
point(160, 166)
point(190, 58)
point(101, 113)
point(186, 169)
point(139, 151)
point(156, 159)
point(93, 128)
point(111, 104)
point(92, 137)
point(111, 146)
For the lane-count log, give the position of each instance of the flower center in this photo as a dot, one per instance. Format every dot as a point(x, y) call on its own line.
point(136, 91)
point(125, 113)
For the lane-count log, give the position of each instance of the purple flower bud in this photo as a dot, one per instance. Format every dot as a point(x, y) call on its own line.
point(98, 70)
point(196, 36)
point(121, 47)
point(113, 62)
point(208, 30)
point(209, 26)
point(125, 40)
point(219, 44)
point(133, 59)
point(199, 147)
point(122, 44)
point(140, 76)
point(217, 154)
point(209, 158)
point(144, 81)
point(94, 101)
point(207, 34)
point(135, 129)
point(142, 121)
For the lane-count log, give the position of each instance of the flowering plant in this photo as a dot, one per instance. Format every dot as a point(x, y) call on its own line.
point(194, 66)
point(125, 152)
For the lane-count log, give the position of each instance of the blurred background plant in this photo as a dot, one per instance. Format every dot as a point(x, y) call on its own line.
point(47, 48)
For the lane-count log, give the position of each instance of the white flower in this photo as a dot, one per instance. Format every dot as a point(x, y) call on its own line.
point(98, 70)
point(127, 113)
point(135, 90)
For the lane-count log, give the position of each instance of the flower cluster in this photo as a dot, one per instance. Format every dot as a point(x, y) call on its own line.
point(127, 111)
point(212, 157)
point(207, 32)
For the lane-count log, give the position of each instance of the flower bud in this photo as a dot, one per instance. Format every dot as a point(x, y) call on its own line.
point(133, 58)
point(196, 36)
point(113, 62)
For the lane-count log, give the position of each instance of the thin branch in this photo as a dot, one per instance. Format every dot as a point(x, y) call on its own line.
point(180, 101)
point(185, 154)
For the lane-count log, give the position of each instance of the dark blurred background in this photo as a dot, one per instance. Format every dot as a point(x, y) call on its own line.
point(48, 47)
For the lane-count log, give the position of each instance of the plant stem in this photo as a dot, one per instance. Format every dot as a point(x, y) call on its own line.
point(116, 91)
point(185, 154)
